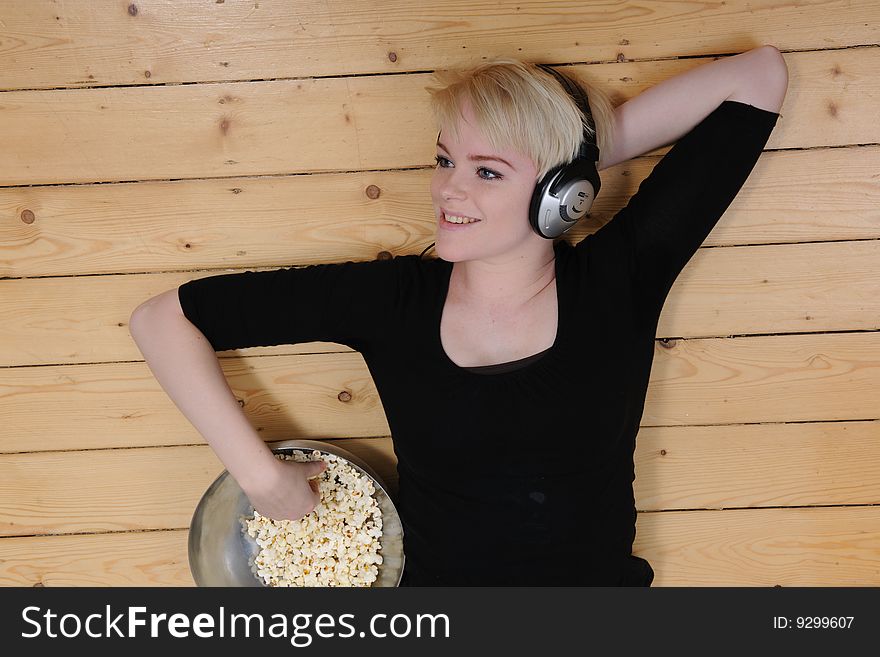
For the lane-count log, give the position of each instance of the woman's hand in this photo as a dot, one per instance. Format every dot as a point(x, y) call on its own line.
point(288, 491)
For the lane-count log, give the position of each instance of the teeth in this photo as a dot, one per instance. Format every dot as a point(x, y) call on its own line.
point(460, 220)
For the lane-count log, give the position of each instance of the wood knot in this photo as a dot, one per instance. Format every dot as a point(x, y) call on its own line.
point(392, 56)
point(27, 216)
point(240, 402)
point(344, 396)
point(662, 452)
point(667, 343)
point(621, 57)
point(39, 585)
point(132, 9)
point(383, 255)
point(147, 74)
point(373, 191)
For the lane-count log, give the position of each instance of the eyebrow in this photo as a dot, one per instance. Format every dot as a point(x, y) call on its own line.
point(481, 158)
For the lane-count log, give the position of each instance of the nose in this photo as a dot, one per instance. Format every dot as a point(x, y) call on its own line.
point(449, 185)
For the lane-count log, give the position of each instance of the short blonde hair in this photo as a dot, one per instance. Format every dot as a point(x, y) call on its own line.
point(520, 106)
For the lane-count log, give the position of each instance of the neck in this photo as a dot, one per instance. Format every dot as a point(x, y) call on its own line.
point(508, 281)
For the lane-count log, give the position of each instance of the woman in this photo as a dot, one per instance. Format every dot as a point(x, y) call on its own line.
point(512, 368)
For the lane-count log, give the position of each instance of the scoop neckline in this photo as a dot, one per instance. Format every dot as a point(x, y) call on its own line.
point(548, 353)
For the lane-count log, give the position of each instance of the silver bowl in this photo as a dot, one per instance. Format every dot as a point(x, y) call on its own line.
point(222, 554)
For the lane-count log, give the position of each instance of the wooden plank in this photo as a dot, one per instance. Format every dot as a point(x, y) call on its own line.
point(732, 291)
point(385, 122)
point(215, 224)
point(103, 490)
point(153, 558)
point(124, 489)
point(757, 465)
point(810, 546)
point(237, 223)
point(775, 289)
point(816, 464)
point(122, 405)
point(53, 46)
point(772, 378)
point(85, 319)
point(814, 377)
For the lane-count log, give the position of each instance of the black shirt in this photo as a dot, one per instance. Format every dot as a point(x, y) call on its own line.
point(519, 476)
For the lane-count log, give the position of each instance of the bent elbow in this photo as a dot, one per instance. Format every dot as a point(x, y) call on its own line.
point(164, 304)
point(765, 80)
point(776, 66)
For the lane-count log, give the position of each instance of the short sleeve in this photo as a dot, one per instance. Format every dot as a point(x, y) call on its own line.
point(340, 302)
point(687, 192)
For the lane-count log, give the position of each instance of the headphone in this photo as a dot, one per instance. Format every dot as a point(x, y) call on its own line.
point(565, 194)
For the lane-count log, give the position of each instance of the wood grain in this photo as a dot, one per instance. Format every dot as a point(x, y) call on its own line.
point(731, 291)
point(268, 128)
point(770, 378)
point(810, 546)
point(249, 41)
point(122, 404)
point(238, 223)
point(140, 154)
point(153, 558)
point(125, 489)
point(717, 467)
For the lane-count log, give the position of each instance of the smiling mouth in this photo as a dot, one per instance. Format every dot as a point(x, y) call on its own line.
point(457, 220)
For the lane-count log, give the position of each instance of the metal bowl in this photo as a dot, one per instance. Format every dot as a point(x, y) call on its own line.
point(222, 554)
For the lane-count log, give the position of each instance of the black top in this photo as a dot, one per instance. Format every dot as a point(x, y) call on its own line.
point(521, 476)
point(500, 368)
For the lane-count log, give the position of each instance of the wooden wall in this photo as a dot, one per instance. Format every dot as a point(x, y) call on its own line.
point(148, 143)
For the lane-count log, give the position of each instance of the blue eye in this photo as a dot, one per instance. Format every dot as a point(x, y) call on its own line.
point(495, 176)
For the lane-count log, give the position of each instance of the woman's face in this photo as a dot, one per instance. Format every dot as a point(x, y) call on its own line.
point(497, 193)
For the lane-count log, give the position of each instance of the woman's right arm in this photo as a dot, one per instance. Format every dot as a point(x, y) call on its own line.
point(186, 366)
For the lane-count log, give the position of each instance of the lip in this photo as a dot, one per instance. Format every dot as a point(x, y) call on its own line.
point(447, 225)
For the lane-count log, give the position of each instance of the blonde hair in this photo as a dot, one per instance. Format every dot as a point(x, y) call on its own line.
point(520, 106)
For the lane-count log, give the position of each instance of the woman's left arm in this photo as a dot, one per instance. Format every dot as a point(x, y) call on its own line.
point(667, 111)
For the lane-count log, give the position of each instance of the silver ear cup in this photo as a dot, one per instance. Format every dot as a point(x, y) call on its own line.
point(558, 213)
point(575, 200)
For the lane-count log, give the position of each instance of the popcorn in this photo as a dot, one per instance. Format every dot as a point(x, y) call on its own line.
point(337, 544)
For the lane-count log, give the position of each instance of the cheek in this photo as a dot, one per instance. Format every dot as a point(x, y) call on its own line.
point(517, 203)
point(435, 185)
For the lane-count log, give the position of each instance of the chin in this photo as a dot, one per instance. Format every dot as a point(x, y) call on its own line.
point(449, 253)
